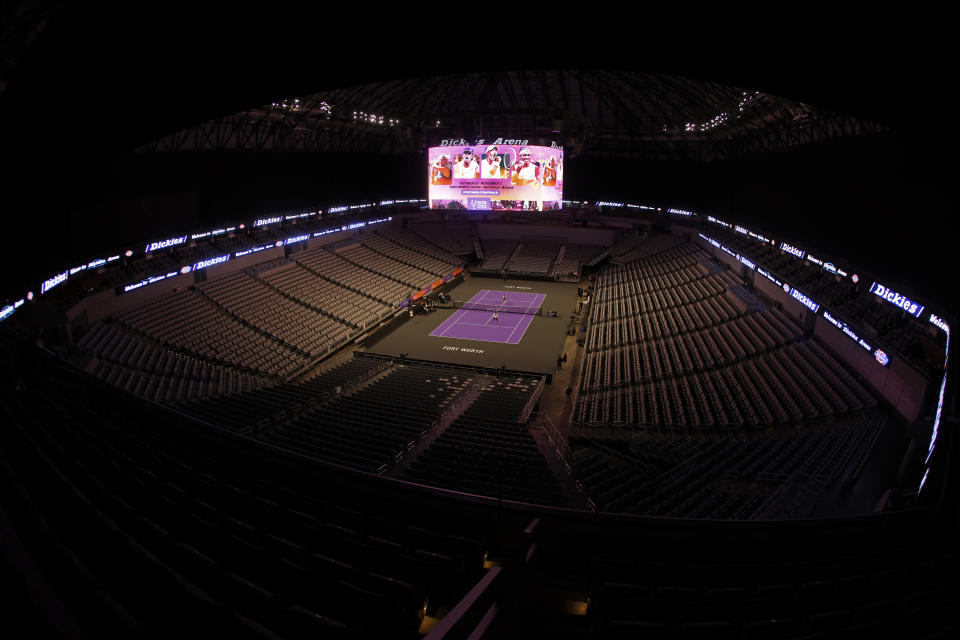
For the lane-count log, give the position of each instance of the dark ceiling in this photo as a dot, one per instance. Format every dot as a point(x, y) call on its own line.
point(117, 75)
point(83, 87)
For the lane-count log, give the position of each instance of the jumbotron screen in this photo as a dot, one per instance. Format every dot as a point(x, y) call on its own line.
point(495, 177)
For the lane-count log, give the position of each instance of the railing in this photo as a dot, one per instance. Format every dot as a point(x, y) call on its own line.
point(597, 258)
point(310, 364)
point(630, 460)
point(866, 454)
point(457, 405)
point(262, 267)
point(559, 260)
point(543, 422)
point(459, 402)
point(528, 408)
point(350, 384)
point(461, 622)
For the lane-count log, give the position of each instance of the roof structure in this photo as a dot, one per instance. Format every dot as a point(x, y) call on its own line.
point(593, 112)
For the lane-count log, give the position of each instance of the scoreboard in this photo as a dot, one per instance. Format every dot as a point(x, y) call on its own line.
point(495, 175)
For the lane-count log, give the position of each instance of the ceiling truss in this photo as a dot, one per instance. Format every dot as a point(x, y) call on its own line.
point(598, 113)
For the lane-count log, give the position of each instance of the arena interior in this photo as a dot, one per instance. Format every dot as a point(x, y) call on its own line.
point(255, 386)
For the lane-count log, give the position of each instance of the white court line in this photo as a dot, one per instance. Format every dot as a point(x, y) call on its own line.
point(462, 312)
point(474, 324)
point(455, 319)
point(510, 337)
point(452, 324)
point(486, 323)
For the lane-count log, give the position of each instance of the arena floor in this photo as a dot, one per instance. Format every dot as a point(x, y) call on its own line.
point(536, 351)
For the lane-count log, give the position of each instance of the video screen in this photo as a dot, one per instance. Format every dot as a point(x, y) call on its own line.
point(495, 177)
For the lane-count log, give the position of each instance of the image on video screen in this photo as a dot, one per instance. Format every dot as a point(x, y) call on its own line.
point(495, 177)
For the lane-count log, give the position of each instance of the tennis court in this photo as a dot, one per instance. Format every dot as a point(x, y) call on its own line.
point(504, 317)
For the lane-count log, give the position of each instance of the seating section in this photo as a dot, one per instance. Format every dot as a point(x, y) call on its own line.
point(456, 239)
point(248, 412)
point(407, 247)
point(364, 414)
point(697, 475)
point(143, 367)
point(236, 332)
point(413, 277)
point(304, 329)
point(681, 384)
point(788, 385)
point(350, 307)
point(572, 258)
point(625, 245)
point(632, 248)
point(889, 326)
point(339, 270)
point(498, 252)
point(666, 345)
point(124, 519)
point(370, 414)
point(534, 256)
point(372, 429)
point(142, 534)
point(487, 451)
point(189, 322)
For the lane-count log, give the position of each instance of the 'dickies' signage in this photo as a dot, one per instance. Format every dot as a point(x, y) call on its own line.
point(801, 298)
point(896, 299)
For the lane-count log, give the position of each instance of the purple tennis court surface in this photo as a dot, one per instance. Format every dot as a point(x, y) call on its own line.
point(471, 324)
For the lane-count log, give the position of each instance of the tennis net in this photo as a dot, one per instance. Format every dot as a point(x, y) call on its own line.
point(529, 310)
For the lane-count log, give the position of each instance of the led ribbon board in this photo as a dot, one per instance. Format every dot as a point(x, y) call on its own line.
point(896, 299)
point(939, 322)
point(163, 244)
point(203, 264)
point(52, 282)
point(881, 356)
point(150, 280)
point(802, 298)
point(742, 259)
point(710, 240)
point(265, 221)
point(792, 250)
point(209, 262)
point(769, 276)
point(759, 237)
point(8, 310)
point(244, 252)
